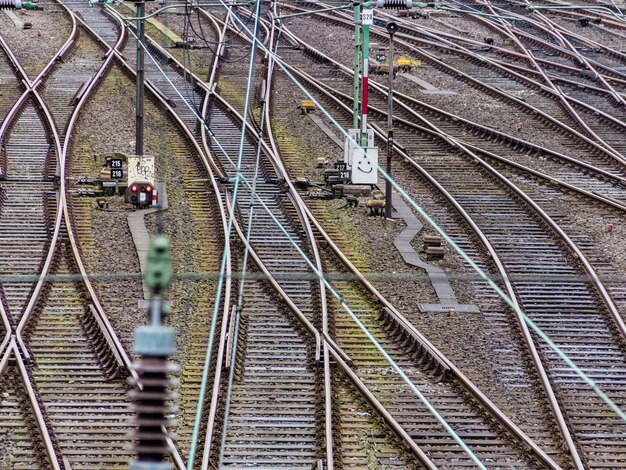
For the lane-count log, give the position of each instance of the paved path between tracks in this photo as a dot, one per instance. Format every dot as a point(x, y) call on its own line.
point(436, 275)
point(139, 231)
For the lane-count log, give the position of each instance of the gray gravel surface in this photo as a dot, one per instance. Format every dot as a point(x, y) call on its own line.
point(35, 47)
point(113, 251)
point(485, 337)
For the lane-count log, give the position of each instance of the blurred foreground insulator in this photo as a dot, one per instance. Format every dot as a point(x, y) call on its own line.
point(394, 4)
point(152, 396)
point(17, 5)
point(152, 406)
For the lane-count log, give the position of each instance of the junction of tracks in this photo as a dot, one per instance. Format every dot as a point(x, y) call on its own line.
point(480, 326)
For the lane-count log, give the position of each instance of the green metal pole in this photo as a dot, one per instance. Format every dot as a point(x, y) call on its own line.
point(357, 64)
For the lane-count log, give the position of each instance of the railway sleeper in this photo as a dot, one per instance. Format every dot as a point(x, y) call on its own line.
point(413, 346)
point(100, 347)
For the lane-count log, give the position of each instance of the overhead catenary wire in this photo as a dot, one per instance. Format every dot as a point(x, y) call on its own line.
point(482, 275)
point(238, 177)
point(241, 178)
point(590, 382)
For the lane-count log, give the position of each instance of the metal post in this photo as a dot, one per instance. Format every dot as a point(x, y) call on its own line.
point(357, 64)
point(140, 79)
point(365, 91)
point(388, 188)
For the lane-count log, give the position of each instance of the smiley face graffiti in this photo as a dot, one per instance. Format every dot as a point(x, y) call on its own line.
point(364, 166)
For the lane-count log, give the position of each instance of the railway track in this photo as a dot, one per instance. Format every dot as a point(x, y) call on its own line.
point(55, 328)
point(505, 222)
point(192, 197)
point(529, 151)
point(290, 350)
point(223, 126)
point(466, 68)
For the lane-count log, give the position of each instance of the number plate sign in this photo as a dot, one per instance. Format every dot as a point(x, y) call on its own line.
point(341, 166)
point(367, 17)
point(116, 163)
point(117, 174)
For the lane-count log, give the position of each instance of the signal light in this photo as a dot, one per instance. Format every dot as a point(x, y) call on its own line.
point(134, 188)
point(148, 188)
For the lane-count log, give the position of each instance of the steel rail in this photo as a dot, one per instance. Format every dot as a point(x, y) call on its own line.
point(427, 31)
point(571, 246)
point(211, 167)
point(16, 344)
point(323, 351)
point(521, 103)
point(562, 50)
point(402, 99)
point(323, 341)
point(337, 353)
point(277, 164)
point(457, 143)
point(589, 42)
point(606, 19)
point(13, 350)
point(513, 54)
point(528, 340)
point(34, 298)
point(113, 53)
point(304, 221)
point(413, 332)
point(342, 19)
point(549, 89)
point(211, 419)
point(512, 33)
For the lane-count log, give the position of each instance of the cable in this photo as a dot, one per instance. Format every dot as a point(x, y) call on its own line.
point(241, 178)
point(464, 255)
point(238, 177)
point(483, 275)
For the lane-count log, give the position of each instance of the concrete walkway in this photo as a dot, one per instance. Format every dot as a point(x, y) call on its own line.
point(139, 231)
point(438, 278)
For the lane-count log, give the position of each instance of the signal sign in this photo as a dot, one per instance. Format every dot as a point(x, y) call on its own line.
point(117, 174)
point(367, 17)
point(116, 163)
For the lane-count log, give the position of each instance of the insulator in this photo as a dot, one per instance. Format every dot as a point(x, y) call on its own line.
point(395, 4)
point(152, 406)
point(7, 4)
point(18, 5)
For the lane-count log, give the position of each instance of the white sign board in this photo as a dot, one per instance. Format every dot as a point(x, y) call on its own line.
point(365, 166)
point(367, 17)
point(351, 144)
point(141, 168)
